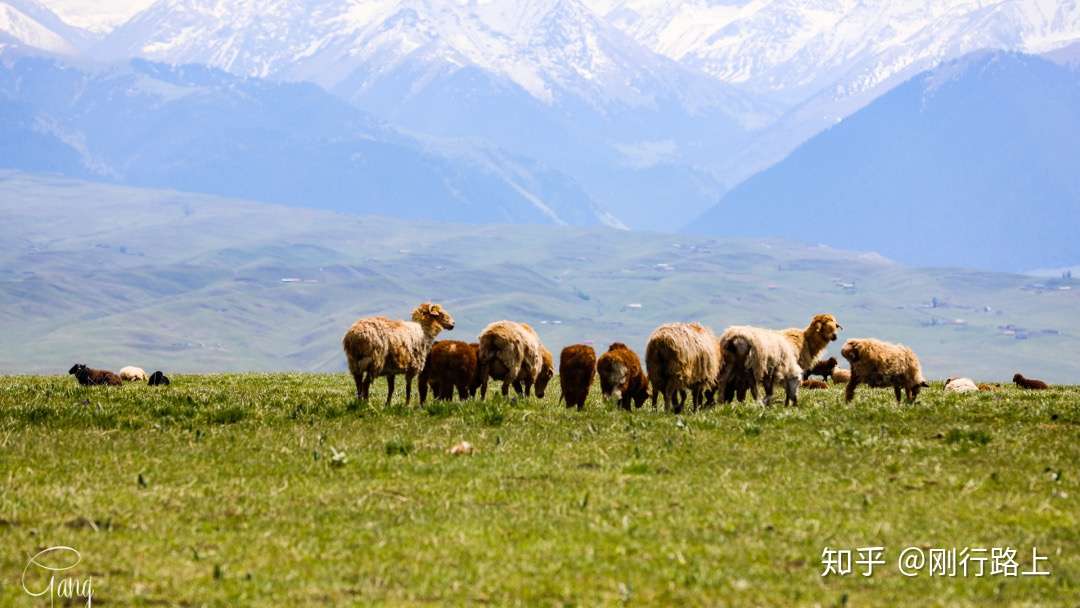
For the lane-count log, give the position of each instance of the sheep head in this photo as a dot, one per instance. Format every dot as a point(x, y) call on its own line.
point(547, 372)
point(76, 369)
point(823, 329)
point(1017, 378)
point(850, 351)
point(433, 315)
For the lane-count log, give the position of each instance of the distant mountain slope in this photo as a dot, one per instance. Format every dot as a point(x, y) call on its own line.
point(972, 164)
point(29, 23)
point(116, 276)
point(548, 79)
point(201, 130)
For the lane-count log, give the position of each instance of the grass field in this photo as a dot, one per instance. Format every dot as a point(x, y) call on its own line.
point(232, 490)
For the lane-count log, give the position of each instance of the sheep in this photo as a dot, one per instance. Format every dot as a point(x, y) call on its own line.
point(881, 365)
point(764, 355)
point(824, 369)
point(841, 376)
point(813, 384)
point(88, 376)
point(621, 377)
point(377, 346)
point(810, 341)
point(132, 373)
point(577, 366)
point(960, 385)
point(450, 364)
point(158, 379)
point(1029, 384)
point(681, 356)
point(984, 387)
point(512, 352)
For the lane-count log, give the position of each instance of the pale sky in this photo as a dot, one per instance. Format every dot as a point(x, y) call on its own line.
point(97, 15)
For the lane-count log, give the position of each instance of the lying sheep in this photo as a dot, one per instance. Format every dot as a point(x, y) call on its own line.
point(132, 373)
point(813, 385)
point(88, 376)
point(1029, 384)
point(811, 340)
point(158, 379)
point(960, 385)
point(680, 357)
point(881, 365)
point(766, 356)
point(621, 378)
point(824, 369)
point(984, 387)
point(577, 366)
point(377, 346)
point(450, 364)
point(512, 352)
point(841, 376)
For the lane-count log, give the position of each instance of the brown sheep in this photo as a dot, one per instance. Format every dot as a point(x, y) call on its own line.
point(621, 377)
point(1029, 384)
point(821, 368)
point(577, 366)
point(813, 384)
point(809, 342)
point(989, 387)
point(450, 364)
point(841, 376)
point(377, 346)
point(88, 376)
point(512, 352)
point(882, 365)
point(680, 357)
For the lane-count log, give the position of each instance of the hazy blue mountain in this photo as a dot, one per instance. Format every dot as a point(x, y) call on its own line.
point(199, 129)
point(970, 164)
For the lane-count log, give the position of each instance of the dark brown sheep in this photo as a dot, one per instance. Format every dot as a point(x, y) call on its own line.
point(88, 376)
point(813, 384)
point(450, 364)
point(1029, 384)
point(621, 376)
point(577, 366)
point(158, 379)
point(821, 368)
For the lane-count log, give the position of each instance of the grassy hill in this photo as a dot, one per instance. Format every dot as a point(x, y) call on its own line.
point(228, 490)
point(112, 276)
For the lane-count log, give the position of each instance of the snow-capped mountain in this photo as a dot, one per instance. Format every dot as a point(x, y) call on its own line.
point(29, 23)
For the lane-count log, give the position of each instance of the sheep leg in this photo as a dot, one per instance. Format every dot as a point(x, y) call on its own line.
point(523, 392)
point(849, 392)
point(422, 389)
point(896, 391)
point(358, 378)
point(768, 383)
point(462, 391)
point(913, 393)
point(408, 385)
point(483, 381)
point(389, 388)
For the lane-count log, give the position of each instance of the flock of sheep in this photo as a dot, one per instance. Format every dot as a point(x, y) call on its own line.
point(680, 359)
point(88, 376)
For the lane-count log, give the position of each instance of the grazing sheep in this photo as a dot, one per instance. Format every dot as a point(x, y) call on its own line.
point(512, 352)
point(821, 368)
point(813, 384)
point(158, 379)
point(764, 356)
point(960, 385)
point(132, 373)
point(881, 365)
point(88, 376)
point(1029, 384)
point(377, 346)
point(810, 341)
point(681, 356)
point(841, 376)
point(577, 366)
point(450, 364)
point(989, 387)
point(621, 378)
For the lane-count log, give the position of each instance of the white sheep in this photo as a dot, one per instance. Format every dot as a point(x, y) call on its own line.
point(961, 385)
point(681, 356)
point(132, 374)
point(766, 356)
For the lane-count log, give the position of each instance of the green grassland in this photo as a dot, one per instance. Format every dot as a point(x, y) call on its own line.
point(275, 490)
point(113, 276)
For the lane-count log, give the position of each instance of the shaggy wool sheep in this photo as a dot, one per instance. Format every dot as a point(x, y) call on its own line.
point(989, 387)
point(1029, 384)
point(88, 376)
point(811, 340)
point(512, 352)
point(960, 385)
point(813, 385)
point(577, 366)
point(450, 364)
point(377, 346)
point(882, 365)
point(158, 379)
point(765, 356)
point(680, 357)
point(841, 376)
point(821, 368)
point(621, 377)
point(132, 373)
